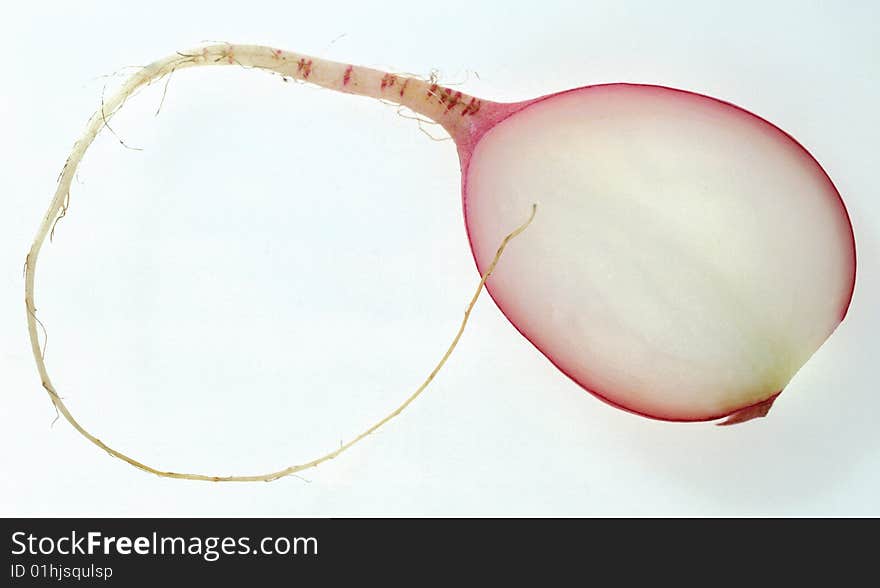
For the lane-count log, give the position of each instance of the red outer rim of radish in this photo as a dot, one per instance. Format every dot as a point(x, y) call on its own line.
point(500, 112)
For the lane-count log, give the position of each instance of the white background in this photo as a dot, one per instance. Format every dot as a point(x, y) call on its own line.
point(281, 265)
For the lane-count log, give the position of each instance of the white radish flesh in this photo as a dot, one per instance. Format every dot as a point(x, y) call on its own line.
point(689, 256)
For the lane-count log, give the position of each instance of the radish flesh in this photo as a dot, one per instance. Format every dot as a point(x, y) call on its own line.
point(688, 258)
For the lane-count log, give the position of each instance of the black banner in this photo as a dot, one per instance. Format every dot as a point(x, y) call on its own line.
point(128, 552)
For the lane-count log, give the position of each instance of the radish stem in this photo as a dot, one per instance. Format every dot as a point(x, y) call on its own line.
point(425, 98)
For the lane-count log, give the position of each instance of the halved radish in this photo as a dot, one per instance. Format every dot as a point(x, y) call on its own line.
point(688, 258)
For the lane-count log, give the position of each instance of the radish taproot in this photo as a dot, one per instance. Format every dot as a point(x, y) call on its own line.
point(689, 256)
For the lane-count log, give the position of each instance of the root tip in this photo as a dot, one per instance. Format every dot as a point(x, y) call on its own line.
point(748, 413)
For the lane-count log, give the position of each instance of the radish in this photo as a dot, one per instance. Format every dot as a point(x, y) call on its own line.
point(688, 257)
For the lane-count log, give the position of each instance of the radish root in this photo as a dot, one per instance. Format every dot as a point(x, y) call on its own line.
point(62, 408)
point(418, 95)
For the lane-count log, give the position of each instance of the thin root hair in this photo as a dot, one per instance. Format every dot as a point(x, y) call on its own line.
point(109, 128)
point(165, 90)
point(33, 312)
point(60, 216)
